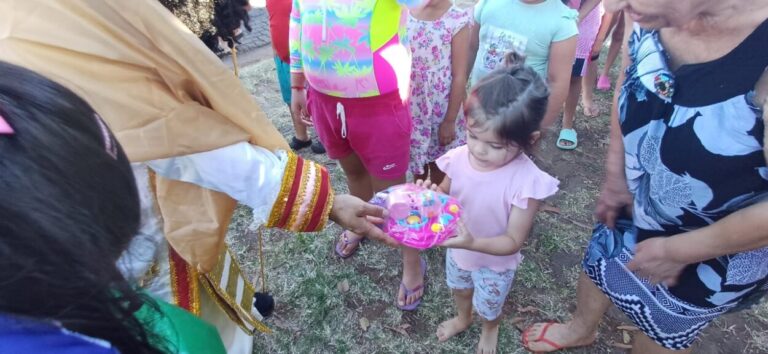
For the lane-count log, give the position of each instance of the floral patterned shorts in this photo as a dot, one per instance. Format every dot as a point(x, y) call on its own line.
point(490, 287)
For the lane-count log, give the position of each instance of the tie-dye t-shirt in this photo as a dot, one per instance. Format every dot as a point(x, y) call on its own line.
point(352, 48)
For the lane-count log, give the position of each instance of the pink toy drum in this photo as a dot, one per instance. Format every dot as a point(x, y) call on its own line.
point(418, 217)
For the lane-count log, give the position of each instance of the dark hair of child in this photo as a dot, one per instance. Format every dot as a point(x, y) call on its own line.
point(512, 100)
point(69, 209)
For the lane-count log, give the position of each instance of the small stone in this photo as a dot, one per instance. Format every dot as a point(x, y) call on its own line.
point(364, 324)
point(343, 286)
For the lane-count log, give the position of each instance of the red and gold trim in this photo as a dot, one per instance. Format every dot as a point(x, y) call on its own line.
point(305, 198)
point(233, 292)
point(184, 284)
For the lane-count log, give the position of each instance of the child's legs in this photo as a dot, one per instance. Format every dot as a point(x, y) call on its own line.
point(491, 290)
point(431, 173)
point(436, 175)
point(423, 176)
point(284, 79)
point(617, 39)
point(462, 287)
point(588, 89)
point(588, 83)
point(358, 178)
point(412, 277)
point(574, 92)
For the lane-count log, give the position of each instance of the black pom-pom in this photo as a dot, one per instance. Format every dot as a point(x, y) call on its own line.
point(264, 303)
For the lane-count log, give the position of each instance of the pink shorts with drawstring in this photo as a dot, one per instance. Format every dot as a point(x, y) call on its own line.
point(377, 129)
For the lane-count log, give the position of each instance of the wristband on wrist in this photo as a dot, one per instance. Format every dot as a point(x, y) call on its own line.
point(300, 88)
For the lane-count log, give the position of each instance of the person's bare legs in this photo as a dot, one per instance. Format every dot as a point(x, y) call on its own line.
point(642, 344)
point(588, 90)
point(489, 337)
point(569, 114)
point(617, 38)
point(436, 175)
point(299, 128)
point(359, 183)
point(422, 176)
point(581, 330)
point(449, 328)
point(412, 274)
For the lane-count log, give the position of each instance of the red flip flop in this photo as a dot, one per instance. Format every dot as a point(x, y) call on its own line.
point(541, 338)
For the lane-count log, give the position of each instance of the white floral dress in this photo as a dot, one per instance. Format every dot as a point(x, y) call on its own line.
point(431, 80)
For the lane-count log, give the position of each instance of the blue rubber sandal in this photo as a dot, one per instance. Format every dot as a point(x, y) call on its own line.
point(570, 136)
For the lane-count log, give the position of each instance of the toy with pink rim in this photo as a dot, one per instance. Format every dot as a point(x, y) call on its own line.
point(418, 217)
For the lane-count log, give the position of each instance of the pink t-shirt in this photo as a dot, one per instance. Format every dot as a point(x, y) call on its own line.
point(487, 199)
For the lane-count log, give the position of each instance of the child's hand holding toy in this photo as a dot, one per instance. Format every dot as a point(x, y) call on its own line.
point(463, 238)
point(420, 216)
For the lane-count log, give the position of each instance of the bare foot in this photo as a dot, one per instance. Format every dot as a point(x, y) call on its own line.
point(452, 327)
point(488, 339)
point(413, 281)
point(545, 338)
point(590, 110)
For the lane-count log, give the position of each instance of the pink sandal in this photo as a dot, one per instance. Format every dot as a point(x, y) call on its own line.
point(604, 83)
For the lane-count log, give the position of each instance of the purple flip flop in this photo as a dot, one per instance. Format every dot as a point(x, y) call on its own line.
point(409, 292)
point(345, 241)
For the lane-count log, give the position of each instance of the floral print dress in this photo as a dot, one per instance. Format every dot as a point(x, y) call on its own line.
point(431, 80)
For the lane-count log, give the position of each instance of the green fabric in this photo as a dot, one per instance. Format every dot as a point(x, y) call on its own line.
point(528, 28)
point(183, 332)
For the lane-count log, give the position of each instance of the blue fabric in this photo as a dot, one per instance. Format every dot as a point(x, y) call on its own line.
point(19, 335)
point(284, 78)
point(693, 155)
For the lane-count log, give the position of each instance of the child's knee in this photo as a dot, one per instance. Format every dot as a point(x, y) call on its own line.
point(463, 293)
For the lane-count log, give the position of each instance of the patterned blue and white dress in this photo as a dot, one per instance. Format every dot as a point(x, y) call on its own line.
point(693, 149)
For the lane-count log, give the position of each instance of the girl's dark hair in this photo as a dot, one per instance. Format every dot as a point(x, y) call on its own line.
point(211, 19)
point(513, 100)
point(68, 210)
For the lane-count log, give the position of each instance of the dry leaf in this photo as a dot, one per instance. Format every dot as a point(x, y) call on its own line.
point(527, 309)
point(549, 208)
point(627, 328)
point(517, 320)
point(343, 286)
point(621, 345)
point(625, 337)
point(364, 323)
point(400, 329)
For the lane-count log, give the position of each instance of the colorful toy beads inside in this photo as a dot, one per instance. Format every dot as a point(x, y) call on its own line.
point(418, 217)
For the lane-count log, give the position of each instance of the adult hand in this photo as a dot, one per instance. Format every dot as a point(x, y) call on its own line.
point(446, 132)
point(614, 197)
point(299, 107)
point(652, 261)
point(463, 238)
point(360, 217)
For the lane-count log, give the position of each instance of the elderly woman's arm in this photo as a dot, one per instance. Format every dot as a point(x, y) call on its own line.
point(614, 193)
point(662, 259)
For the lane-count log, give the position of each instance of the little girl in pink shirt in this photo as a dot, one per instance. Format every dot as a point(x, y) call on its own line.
point(499, 188)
